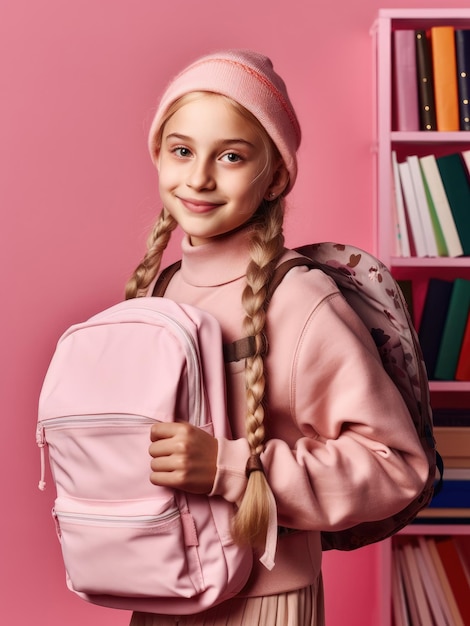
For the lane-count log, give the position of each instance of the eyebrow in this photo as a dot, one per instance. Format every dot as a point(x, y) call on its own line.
point(223, 142)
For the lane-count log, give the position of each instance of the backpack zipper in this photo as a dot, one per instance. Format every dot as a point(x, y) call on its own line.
point(198, 396)
point(87, 421)
point(107, 520)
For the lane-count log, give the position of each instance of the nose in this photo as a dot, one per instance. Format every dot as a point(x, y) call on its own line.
point(200, 175)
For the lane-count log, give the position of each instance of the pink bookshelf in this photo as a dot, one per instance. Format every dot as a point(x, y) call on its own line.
point(408, 143)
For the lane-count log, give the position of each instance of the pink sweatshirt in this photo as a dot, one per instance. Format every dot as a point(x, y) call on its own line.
point(341, 448)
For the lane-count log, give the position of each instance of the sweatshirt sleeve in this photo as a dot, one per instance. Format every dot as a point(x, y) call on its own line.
point(342, 448)
point(358, 457)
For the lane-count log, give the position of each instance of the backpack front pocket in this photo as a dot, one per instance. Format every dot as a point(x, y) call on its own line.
point(134, 549)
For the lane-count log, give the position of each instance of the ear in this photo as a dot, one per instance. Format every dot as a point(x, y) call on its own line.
point(279, 182)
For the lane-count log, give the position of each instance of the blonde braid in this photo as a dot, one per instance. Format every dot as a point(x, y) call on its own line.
point(251, 521)
point(147, 270)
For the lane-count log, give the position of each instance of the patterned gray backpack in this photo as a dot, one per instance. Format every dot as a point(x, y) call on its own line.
point(373, 293)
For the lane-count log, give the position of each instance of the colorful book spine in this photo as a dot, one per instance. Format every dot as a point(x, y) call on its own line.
point(454, 328)
point(412, 211)
point(453, 494)
point(454, 416)
point(463, 364)
point(457, 619)
point(436, 587)
point(445, 78)
point(433, 320)
point(455, 574)
point(406, 85)
point(403, 240)
point(462, 53)
point(423, 207)
point(441, 205)
point(453, 441)
point(454, 177)
point(427, 106)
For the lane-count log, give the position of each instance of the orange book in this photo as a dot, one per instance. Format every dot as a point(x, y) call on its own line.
point(453, 441)
point(456, 574)
point(445, 78)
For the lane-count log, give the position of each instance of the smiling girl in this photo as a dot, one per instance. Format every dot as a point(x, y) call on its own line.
point(322, 438)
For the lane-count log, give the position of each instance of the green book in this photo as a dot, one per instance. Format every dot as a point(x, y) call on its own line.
point(454, 328)
point(457, 187)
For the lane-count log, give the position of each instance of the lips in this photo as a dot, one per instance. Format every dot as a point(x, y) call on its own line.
point(199, 206)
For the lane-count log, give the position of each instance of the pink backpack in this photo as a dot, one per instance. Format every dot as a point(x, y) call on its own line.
point(126, 543)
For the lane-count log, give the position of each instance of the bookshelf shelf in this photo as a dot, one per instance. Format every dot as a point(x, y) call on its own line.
point(430, 137)
point(386, 140)
point(429, 262)
point(436, 529)
point(450, 386)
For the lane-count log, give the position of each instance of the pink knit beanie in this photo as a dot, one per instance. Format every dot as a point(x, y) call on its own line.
point(248, 78)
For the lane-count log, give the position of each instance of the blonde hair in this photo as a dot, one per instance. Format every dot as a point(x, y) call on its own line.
point(266, 245)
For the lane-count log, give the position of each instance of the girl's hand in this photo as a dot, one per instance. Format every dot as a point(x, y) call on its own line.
point(183, 457)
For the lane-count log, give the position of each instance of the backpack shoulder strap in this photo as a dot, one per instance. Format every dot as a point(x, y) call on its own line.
point(245, 347)
point(164, 279)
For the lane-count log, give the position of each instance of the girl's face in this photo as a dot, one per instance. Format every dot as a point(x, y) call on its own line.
point(212, 168)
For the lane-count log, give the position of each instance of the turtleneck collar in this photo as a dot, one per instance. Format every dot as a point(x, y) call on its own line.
point(218, 262)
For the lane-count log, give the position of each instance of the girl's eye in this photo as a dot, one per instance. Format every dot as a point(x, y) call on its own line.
point(182, 152)
point(231, 157)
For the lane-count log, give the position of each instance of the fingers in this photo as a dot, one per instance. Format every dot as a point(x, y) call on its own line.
point(183, 457)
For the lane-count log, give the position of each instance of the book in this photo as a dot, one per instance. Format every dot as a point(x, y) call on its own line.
point(441, 204)
point(412, 211)
point(402, 227)
point(445, 583)
point(454, 328)
point(400, 614)
point(455, 574)
point(465, 154)
point(455, 180)
point(411, 602)
point(460, 473)
point(451, 416)
point(428, 587)
point(462, 54)
point(463, 548)
point(436, 584)
point(417, 584)
point(444, 512)
point(427, 107)
point(433, 319)
point(436, 225)
point(457, 461)
point(423, 207)
point(405, 80)
point(453, 494)
point(453, 441)
point(463, 364)
point(406, 286)
point(445, 78)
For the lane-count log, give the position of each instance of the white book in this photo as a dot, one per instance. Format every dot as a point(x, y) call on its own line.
point(403, 240)
point(423, 206)
point(441, 204)
point(429, 588)
point(424, 609)
point(412, 209)
point(451, 604)
point(466, 159)
point(436, 582)
point(400, 613)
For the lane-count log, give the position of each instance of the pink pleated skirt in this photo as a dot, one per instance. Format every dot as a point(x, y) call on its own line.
point(303, 607)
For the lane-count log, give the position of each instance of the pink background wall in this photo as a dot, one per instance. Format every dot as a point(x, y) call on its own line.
point(78, 193)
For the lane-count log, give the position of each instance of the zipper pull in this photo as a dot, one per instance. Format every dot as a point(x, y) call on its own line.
point(41, 442)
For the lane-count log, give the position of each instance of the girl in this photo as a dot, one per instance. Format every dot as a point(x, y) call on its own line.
point(317, 423)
